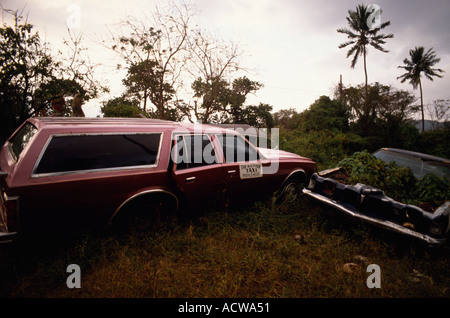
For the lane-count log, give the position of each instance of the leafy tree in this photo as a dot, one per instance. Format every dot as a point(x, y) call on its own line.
point(223, 102)
point(377, 106)
point(325, 113)
point(236, 96)
point(32, 80)
point(25, 66)
point(212, 62)
point(418, 64)
point(72, 81)
point(50, 97)
point(153, 49)
point(143, 81)
point(258, 116)
point(122, 107)
point(287, 118)
point(360, 35)
point(439, 113)
point(435, 142)
point(164, 51)
point(211, 92)
point(76, 71)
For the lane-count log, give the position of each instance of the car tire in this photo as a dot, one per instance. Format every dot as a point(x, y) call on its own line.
point(143, 217)
point(290, 192)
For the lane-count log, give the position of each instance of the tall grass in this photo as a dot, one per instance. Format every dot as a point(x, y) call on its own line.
point(298, 251)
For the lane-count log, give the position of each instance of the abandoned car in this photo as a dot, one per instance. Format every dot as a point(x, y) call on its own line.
point(369, 204)
point(419, 163)
point(76, 173)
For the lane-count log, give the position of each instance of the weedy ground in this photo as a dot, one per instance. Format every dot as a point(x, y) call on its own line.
point(260, 251)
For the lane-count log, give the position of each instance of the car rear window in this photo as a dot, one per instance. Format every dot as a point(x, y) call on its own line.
point(418, 166)
point(72, 153)
point(21, 139)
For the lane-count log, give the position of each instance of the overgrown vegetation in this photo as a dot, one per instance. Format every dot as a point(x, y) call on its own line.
point(258, 251)
point(333, 129)
point(396, 181)
point(362, 167)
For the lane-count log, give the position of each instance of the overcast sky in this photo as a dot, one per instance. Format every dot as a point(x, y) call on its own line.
point(291, 46)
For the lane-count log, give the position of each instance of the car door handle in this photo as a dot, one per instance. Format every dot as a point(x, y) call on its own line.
point(190, 179)
point(231, 171)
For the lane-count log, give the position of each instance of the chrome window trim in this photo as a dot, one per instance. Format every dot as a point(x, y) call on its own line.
point(74, 172)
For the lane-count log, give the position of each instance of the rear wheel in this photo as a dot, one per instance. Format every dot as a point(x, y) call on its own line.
point(138, 217)
point(143, 217)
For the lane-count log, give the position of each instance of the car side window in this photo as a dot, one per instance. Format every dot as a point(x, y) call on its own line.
point(71, 153)
point(237, 149)
point(194, 151)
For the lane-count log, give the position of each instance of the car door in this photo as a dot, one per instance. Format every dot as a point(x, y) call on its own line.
point(243, 168)
point(196, 171)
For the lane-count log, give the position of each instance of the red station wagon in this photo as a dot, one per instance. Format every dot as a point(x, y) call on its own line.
point(60, 174)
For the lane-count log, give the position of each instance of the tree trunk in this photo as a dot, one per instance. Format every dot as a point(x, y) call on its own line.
point(145, 100)
point(421, 105)
point(366, 97)
point(365, 67)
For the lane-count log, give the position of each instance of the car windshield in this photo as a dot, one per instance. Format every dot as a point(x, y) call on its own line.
point(418, 166)
point(21, 139)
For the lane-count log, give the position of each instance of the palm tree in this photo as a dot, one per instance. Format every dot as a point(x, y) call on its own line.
point(360, 35)
point(420, 63)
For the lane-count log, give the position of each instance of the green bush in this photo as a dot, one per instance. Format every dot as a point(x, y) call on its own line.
point(365, 168)
point(435, 142)
point(325, 147)
point(397, 182)
point(433, 189)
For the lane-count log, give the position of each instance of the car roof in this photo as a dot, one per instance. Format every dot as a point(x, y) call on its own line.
point(41, 122)
point(416, 154)
point(97, 120)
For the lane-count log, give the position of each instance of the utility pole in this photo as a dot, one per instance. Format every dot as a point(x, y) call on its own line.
point(340, 87)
